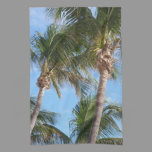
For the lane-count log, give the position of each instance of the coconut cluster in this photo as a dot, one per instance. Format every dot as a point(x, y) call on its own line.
point(44, 81)
point(105, 60)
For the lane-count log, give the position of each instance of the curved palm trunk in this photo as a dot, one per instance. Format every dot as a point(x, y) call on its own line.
point(99, 107)
point(36, 109)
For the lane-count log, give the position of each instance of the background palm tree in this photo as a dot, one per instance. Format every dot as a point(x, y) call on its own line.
point(55, 54)
point(44, 131)
point(102, 32)
point(113, 141)
point(83, 116)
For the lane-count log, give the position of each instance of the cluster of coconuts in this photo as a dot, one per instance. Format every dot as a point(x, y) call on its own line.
point(44, 81)
point(105, 60)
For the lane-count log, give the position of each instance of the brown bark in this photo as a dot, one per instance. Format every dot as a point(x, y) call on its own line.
point(36, 109)
point(99, 107)
point(104, 65)
point(115, 45)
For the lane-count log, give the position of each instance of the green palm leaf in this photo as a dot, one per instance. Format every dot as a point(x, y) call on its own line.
point(57, 52)
point(44, 131)
point(83, 117)
point(113, 141)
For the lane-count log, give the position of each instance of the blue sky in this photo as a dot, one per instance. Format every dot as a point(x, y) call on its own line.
point(38, 22)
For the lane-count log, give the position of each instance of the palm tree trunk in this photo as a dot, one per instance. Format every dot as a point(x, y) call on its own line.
point(36, 109)
point(99, 107)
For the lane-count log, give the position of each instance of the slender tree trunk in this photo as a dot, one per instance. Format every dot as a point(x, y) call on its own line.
point(36, 109)
point(99, 107)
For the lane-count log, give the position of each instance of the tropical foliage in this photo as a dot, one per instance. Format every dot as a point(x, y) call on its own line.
point(44, 131)
point(83, 113)
point(66, 53)
point(54, 53)
point(113, 141)
point(103, 31)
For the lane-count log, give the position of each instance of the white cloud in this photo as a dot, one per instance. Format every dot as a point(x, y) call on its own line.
point(109, 99)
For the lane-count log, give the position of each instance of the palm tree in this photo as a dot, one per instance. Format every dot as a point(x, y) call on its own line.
point(102, 32)
point(114, 141)
point(83, 117)
point(44, 131)
point(54, 53)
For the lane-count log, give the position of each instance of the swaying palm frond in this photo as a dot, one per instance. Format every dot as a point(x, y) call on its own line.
point(44, 132)
point(59, 136)
point(84, 112)
point(70, 14)
point(94, 30)
point(115, 73)
point(59, 49)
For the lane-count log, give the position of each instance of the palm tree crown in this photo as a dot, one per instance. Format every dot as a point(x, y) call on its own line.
point(83, 117)
point(97, 32)
point(54, 53)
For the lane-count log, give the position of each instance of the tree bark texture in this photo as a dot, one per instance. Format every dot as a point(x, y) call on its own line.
point(99, 107)
point(36, 109)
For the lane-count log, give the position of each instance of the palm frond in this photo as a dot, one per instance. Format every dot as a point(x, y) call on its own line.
point(44, 132)
point(58, 52)
point(84, 112)
point(113, 141)
point(115, 73)
point(55, 84)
